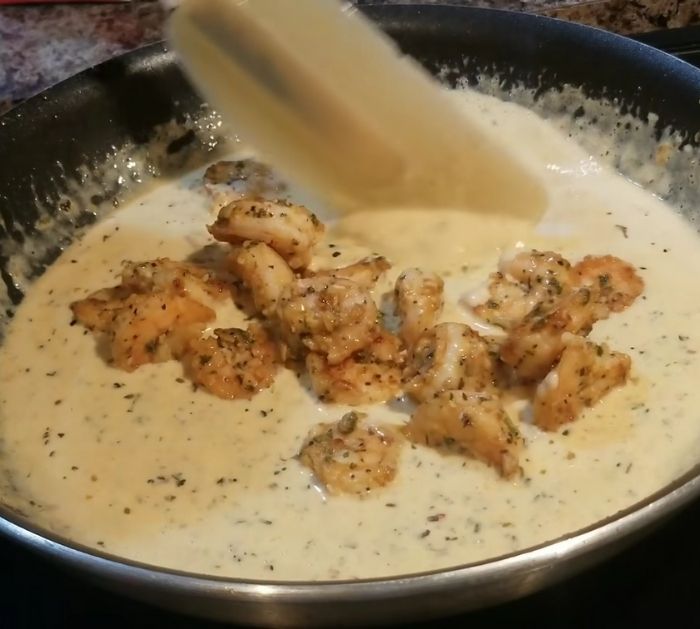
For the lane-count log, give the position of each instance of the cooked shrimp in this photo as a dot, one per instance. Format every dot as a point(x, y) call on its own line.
point(370, 375)
point(96, 312)
point(180, 278)
point(226, 181)
point(224, 172)
point(163, 276)
point(234, 363)
point(350, 457)
point(289, 229)
point(366, 272)
point(258, 178)
point(471, 423)
point(585, 374)
point(152, 328)
point(263, 271)
point(449, 356)
point(418, 302)
point(501, 302)
point(615, 282)
point(545, 273)
point(331, 316)
point(531, 279)
point(532, 347)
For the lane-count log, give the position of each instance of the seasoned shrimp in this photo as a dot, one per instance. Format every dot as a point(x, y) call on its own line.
point(370, 375)
point(529, 280)
point(501, 302)
point(263, 271)
point(331, 316)
point(449, 356)
point(585, 374)
point(471, 423)
point(289, 229)
point(544, 273)
point(350, 457)
point(96, 312)
point(226, 172)
point(153, 327)
point(180, 278)
point(532, 347)
point(615, 283)
point(418, 302)
point(226, 181)
point(366, 272)
point(163, 276)
point(234, 363)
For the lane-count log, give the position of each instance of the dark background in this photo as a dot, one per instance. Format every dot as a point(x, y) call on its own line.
point(657, 582)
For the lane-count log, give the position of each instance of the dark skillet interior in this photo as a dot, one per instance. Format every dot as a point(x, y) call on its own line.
point(78, 121)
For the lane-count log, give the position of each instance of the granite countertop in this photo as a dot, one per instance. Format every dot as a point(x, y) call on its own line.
point(43, 44)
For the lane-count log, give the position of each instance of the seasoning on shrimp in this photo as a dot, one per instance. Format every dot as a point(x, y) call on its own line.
point(368, 376)
point(365, 272)
point(602, 284)
point(331, 316)
point(234, 363)
point(533, 346)
point(150, 316)
point(263, 271)
point(586, 372)
point(525, 282)
point(419, 300)
point(352, 456)
point(449, 356)
point(291, 230)
point(615, 282)
point(168, 275)
point(153, 328)
point(226, 181)
point(473, 424)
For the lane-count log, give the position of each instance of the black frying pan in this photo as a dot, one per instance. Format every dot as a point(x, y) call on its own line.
point(44, 143)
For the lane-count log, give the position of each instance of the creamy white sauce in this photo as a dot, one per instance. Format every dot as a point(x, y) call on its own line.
point(142, 466)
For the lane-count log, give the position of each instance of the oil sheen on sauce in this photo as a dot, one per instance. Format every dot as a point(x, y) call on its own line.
point(142, 466)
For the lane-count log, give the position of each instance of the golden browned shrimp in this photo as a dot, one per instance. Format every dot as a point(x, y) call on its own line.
point(289, 229)
point(164, 276)
point(531, 279)
point(449, 356)
point(470, 423)
point(351, 457)
point(96, 311)
point(586, 373)
point(181, 278)
point(418, 302)
point(234, 363)
point(614, 282)
point(331, 316)
point(502, 302)
point(601, 284)
point(257, 177)
point(225, 172)
point(371, 375)
point(226, 181)
point(545, 273)
point(263, 271)
point(366, 272)
point(532, 347)
point(153, 327)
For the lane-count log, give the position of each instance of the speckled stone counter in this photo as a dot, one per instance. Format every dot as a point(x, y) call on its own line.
point(43, 44)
